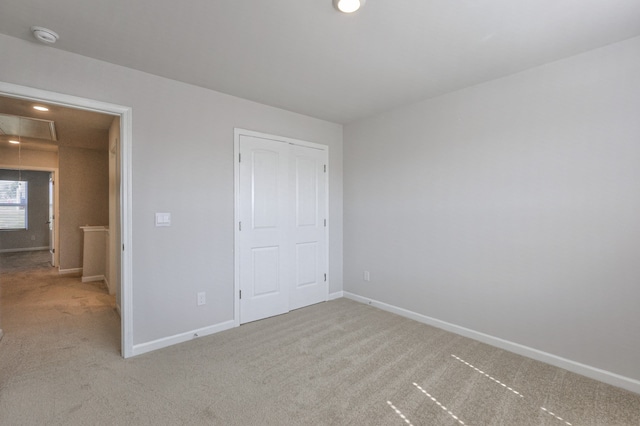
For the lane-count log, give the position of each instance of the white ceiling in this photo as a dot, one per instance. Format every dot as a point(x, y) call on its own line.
point(303, 56)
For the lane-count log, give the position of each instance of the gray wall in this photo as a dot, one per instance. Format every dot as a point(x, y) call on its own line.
point(37, 234)
point(84, 198)
point(182, 163)
point(510, 208)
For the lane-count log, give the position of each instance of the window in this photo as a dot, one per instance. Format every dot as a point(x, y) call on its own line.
point(13, 204)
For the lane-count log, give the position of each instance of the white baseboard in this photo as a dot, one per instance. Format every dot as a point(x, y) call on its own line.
point(112, 291)
point(604, 376)
point(70, 271)
point(180, 338)
point(336, 295)
point(93, 278)
point(18, 250)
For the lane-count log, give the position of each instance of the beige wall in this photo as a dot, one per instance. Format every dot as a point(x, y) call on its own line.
point(113, 260)
point(9, 157)
point(37, 234)
point(84, 199)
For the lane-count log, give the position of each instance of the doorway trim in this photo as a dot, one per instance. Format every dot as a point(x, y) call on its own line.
point(237, 132)
point(126, 139)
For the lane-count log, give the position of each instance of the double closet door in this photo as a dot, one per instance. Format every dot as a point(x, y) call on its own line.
point(282, 227)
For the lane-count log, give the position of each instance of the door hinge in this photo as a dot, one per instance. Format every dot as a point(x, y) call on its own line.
point(239, 158)
point(123, 247)
point(240, 294)
point(325, 277)
point(239, 226)
point(325, 168)
point(325, 223)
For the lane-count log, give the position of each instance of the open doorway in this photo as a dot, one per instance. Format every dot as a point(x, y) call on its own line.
point(64, 243)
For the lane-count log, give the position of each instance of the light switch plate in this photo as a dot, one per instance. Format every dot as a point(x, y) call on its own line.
point(163, 219)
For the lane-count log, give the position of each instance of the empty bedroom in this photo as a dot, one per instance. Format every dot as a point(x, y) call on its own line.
point(335, 212)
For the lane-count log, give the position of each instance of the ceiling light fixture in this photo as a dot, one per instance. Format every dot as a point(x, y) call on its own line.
point(45, 35)
point(348, 6)
point(40, 108)
point(14, 142)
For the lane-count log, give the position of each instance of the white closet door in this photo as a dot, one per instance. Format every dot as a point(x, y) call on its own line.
point(308, 227)
point(264, 221)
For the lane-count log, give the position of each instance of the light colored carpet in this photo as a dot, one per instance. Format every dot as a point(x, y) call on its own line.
point(336, 363)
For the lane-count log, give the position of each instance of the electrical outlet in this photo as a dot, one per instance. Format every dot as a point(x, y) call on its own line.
point(202, 298)
point(366, 276)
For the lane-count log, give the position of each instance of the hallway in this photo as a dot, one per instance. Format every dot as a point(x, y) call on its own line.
point(45, 314)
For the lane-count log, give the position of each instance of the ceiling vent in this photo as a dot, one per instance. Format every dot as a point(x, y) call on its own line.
point(25, 127)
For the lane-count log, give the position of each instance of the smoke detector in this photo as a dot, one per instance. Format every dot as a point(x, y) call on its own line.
point(45, 35)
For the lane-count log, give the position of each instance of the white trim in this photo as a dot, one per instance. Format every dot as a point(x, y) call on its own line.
point(70, 271)
point(336, 295)
point(18, 250)
point(96, 228)
point(126, 216)
point(237, 132)
point(236, 220)
point(604, 376)
point(93, 278)
point(244, 132)
point(143, 348)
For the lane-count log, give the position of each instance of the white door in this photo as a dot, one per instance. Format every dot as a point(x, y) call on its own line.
point(263, 199)
point(308, 227)
point(282, 229)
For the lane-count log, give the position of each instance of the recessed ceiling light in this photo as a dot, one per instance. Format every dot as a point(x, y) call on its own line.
point(45, 35)
point(348, 6)
point(14, 142)
point(40, 108)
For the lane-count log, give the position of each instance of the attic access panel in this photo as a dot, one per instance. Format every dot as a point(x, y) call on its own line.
point(13, 125)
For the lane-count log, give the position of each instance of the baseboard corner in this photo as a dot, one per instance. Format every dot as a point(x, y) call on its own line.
point(93, 278)
point(336, 295)
point(69, 271)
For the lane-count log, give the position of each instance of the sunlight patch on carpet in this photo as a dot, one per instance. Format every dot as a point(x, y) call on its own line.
point(487, 375)
point(439, 403)
point(399, 413)
point(555, 415)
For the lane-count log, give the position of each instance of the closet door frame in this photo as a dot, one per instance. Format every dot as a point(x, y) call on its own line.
point(238, 132)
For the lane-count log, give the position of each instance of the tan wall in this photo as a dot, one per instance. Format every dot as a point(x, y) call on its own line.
point(113, 259)
point(84, 199)
point(9, 157)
